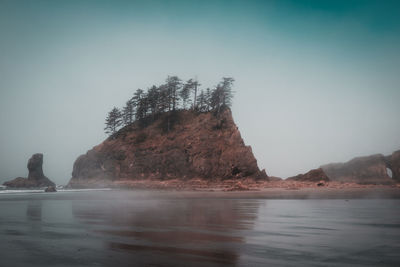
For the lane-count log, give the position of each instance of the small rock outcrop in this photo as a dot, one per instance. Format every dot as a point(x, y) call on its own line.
point(50, 188)
point(193, 146)
point(362, 170)
point(36, 177)
point(316, 175)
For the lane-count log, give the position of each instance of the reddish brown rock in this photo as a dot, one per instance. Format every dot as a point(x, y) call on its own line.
point(315, 175)
point(36, 177)
point(238, 187)
point(197, 146)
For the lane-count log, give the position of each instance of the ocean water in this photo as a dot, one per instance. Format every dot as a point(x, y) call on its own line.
point(140, 228)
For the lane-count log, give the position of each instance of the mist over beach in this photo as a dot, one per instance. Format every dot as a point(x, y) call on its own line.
point(199, 133)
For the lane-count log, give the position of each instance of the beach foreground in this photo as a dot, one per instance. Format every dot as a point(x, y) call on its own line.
point(186, 228)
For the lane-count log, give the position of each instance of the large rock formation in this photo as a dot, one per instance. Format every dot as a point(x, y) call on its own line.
point(183, 145)
point(36, 177)
point(315, 175)
point(363, 170)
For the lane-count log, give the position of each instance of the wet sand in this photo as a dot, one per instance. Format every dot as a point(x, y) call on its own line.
point(189, 228)
point(301, 193)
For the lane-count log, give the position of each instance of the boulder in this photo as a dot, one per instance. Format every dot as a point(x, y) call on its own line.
point(50, 188)
point(315, 175)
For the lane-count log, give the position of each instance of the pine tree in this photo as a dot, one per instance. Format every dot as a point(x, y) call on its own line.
point(113, 121)
point(185, 93)
point(163, 103)
point(201, 102)
point(166, 97)
point(153, 95)
point(173, 84)
point(227, 93)
point(142, 107)
point(128, 112)
point(207, 97)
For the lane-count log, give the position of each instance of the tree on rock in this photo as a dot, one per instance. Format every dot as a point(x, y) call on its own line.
point(227, 93)
point(222, 95)
point(113, 121)
point(185, 93)
point(173, 84)
point(128, 112)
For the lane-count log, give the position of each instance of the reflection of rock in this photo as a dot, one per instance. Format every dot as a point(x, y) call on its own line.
point(364, 170)
point(181, 229)
point(36, 177)
point(34, 211)
point(315, 175)
point(198, 146)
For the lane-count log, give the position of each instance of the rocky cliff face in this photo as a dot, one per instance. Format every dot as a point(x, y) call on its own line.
point(36, 177)
point(187, 145)
point(364, 170)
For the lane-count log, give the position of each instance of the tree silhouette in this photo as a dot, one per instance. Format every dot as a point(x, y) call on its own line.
point(166, 97)
point(207, 96)
point(142, 107)
point(201, 102)
point(153, 97)
point(227, 93)
point(128, 112)
point(113, 121)
point(192, 86)
point(173, 84)
point(185, 93)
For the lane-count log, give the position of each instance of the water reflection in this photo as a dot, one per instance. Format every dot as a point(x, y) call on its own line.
point(34, 211)
point(172, 230)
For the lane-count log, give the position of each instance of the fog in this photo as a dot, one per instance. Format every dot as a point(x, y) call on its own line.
point(315, 82)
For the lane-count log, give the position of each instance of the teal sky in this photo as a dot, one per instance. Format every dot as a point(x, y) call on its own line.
point(316, 81)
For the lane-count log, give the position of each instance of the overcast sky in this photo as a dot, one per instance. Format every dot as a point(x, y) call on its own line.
point(316, 81)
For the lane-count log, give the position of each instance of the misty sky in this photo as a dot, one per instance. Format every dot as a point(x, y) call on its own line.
point(316, 81)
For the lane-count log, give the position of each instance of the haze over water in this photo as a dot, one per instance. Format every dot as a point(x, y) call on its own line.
point(139, 228)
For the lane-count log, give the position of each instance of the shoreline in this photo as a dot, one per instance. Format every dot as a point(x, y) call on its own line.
point(249, 188)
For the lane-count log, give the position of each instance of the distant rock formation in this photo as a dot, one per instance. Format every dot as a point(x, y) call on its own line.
point(194, 146)
point(364, 170)
point(315, 175)
point(393, 163)
point(36, 177)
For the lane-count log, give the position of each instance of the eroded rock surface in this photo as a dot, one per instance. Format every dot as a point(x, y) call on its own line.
point(36, 177)
point(197, 146)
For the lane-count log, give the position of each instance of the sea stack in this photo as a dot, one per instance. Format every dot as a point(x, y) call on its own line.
point(180, 145)
point(36, 177)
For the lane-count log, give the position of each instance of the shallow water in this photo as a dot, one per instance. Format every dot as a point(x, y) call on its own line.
point(139, 228)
